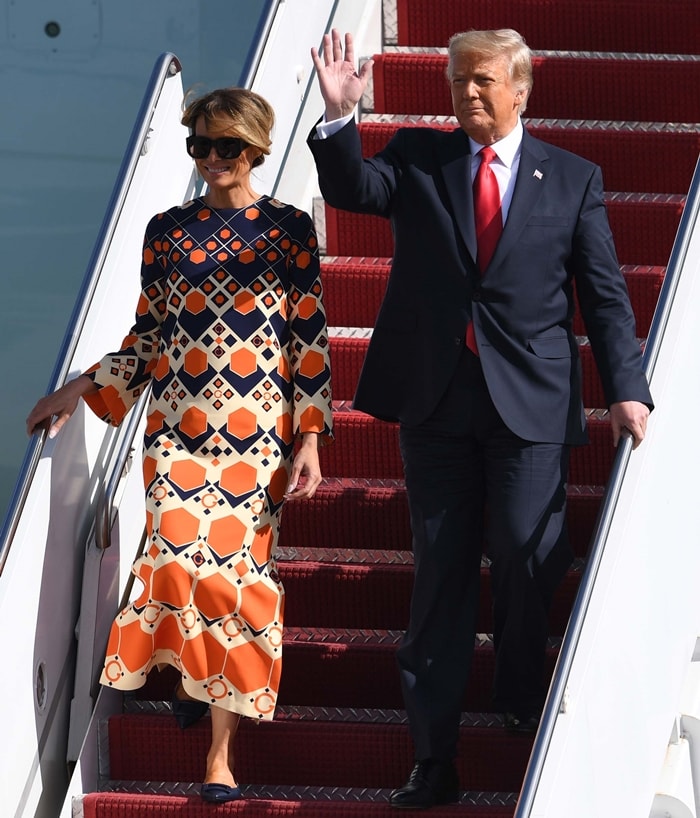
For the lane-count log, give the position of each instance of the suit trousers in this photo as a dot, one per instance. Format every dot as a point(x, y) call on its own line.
point(473, 486)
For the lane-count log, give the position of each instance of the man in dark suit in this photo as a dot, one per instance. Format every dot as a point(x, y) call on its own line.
point(474, 355)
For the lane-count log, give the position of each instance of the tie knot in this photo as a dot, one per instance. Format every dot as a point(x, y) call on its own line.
point(487, 155)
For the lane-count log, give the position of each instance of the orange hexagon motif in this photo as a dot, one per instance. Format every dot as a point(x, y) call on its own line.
point(135, 646)
point(244, 302)
point(241, 424)
point(252, 213)
point(168, 635)
point(200, 654)
point(246, 256)
point(215, 597)
point(197, 256)
point(312, 364)
point(171, 585)
point(258, 604)
point(226, 535)
point(154, 422)
point(246, 665)
point(150, 466)
point(303, 260)
point(178, 526)
point(187, 474)
point(162, 368)
point(284, 369)
point(278, 485)
point(194, 422)
point(307, 306)
point(312, 419)
point(195, 302)
point(195, 362)
point(285, 429)
point(239, 479)
point(262, 545)
point(243, 362)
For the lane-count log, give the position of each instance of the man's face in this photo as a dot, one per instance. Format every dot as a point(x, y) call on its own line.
point(484, 98)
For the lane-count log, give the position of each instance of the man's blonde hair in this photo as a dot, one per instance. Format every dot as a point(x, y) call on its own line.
point(494, 44)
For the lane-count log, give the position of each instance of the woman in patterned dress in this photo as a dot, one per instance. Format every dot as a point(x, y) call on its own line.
point(230, 333)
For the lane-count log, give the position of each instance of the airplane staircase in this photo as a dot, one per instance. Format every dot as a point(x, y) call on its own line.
point(612, 80)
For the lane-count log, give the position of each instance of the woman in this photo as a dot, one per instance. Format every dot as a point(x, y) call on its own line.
point(231, 334)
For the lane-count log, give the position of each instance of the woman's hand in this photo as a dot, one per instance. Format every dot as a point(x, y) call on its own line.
point(341, 86)
point(305, 477)
point(61, 404)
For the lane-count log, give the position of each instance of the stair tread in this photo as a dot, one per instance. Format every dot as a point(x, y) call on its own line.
point(145, 800)
point(372, 746)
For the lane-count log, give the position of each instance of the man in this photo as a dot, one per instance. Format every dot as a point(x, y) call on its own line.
point(473, 354)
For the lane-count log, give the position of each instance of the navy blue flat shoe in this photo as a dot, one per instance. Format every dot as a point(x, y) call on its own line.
point(187, 711)
point(220, 793)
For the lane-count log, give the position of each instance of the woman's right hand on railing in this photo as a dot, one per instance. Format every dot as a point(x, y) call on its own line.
point(59, 404)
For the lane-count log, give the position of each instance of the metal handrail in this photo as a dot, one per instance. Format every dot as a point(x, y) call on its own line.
point(166, 66)
point(557, 690)
point(259, 40)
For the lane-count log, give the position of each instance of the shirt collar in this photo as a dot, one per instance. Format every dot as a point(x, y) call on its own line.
point(507, 148)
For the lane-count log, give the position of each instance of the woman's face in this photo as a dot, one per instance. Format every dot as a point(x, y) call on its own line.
point(223, 174)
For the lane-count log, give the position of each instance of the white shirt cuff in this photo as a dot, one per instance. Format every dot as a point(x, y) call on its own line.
point(325, 129)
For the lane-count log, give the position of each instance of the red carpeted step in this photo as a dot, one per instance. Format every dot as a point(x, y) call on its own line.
point(292, 752)
point(373, 596)
point(644, 227)
point(357, 514)
point(347, 513)
point(628, 154)
point(323, 674)
point(136, 805)
point(671, 27)
point(354, 288)
point(350, 669)
point(565, 87)
point(348, 354)
point(365, 447)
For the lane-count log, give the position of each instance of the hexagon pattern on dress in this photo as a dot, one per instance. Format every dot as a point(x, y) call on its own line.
point(230, 334)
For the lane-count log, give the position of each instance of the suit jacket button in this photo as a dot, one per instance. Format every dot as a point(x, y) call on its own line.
point(457, 341)
point(476, 296)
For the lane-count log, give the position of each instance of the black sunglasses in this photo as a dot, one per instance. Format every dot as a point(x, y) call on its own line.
point(227, 147)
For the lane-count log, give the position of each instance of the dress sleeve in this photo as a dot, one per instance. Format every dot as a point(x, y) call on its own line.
point(122, 376)
point(308, 344)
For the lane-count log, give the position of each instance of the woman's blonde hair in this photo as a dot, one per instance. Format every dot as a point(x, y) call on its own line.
point(495, 44)
point(245, 113)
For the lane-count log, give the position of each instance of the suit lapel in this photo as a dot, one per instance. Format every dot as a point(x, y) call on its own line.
point(456, 173)
point(530, 183)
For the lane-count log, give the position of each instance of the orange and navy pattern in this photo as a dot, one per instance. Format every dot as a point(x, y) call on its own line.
point(231, 335)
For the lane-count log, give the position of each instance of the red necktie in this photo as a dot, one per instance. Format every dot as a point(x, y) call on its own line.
point(487, 216)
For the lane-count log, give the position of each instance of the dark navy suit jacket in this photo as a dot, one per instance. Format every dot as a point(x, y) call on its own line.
point(556, 233)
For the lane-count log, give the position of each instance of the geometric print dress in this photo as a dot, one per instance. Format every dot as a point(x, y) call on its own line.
point(230, 334)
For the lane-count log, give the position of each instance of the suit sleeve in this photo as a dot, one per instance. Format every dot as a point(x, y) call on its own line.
point(604, 301)
point(347, 180)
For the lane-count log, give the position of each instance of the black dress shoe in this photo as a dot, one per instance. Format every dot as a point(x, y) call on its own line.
point(186, 711)
point(431, 783)
point(521, 724)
